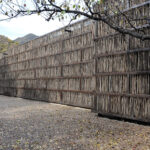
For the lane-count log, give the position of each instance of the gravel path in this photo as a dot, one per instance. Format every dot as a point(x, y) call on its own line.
point(31, 125)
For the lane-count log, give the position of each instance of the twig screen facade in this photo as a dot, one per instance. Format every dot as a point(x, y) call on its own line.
point(92, 66)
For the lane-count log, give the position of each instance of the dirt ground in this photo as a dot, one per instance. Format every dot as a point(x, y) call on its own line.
point(31, 125)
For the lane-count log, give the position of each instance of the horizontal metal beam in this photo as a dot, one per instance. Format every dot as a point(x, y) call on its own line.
point(84, 92)
point(46, 67)
point(59, 40)
point(106, 36)
point(96, 56)
point(96, 39)
point(123, 95)
point(49, 78)
point(122, 73)
point(36, 58)
point(54, 90)
point(75, 77)
point(137, 6)
point(122, 52)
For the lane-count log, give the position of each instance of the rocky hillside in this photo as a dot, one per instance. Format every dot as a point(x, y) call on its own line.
point(5, 43)
point(26, 38)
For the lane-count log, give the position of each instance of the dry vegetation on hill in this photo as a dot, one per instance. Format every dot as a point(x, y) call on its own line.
point(5, 43)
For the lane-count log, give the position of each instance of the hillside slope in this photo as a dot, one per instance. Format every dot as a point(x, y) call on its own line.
point(5, 43)
point(26, 38)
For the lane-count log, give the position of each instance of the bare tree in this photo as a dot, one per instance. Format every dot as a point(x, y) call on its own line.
point(117, 14)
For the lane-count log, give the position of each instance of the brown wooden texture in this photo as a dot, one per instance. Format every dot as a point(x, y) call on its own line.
point(92, 67)
point(123, 71)
point(52, 67)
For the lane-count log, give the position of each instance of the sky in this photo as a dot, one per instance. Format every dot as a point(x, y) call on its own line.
point(35, 24)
